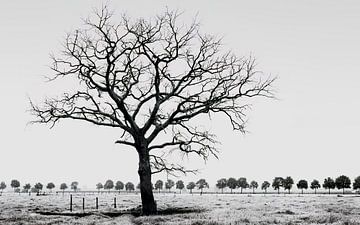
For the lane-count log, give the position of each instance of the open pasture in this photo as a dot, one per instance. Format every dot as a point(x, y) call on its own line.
point(217, 209)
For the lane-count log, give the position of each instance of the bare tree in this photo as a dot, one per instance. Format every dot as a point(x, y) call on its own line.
point(150, 79)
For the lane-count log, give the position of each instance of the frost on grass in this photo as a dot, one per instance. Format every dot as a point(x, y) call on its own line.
point(202, 210)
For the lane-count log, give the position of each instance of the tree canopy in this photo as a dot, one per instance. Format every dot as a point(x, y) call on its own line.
point(150, 79)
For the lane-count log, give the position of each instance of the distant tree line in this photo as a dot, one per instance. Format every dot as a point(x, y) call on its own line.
point(342, 182)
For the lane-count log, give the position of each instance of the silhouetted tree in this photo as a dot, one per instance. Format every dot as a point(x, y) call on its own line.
point(130, 80)
point(119, 186)
point(38, 186)
point(343, 182)
point(329, 184)
point(221, 184)
point(159, 185)
point(74, 185)
point(50, 186)
point(277, 183)
point(99, 186)
point(2, 186)
point(109, 184)
point(288, 183)
point(27, 187)
point(129, 186)
point(180, 185)
point(315, 185)
point(201, 184)
point(15, 184)
point(356, 184)
point(63, 187)
point(232, 183)
point(254, 185)
point(265, 185)
point(242, 183)
point(169, 184)
point(190, 186)
point(302, 184)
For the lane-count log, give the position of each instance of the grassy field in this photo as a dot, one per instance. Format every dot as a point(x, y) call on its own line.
point(216, 209)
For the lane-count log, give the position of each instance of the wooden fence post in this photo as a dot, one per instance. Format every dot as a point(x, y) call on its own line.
point(70, 203)
point(83, 204)
point(115, 202)
point(97, 203)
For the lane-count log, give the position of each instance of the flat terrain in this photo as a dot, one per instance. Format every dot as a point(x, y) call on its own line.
point(218, 209)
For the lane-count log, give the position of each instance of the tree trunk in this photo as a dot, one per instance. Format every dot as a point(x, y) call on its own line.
point(302, 191)
point(343, 191)
point(144, 171)
point(278, 190)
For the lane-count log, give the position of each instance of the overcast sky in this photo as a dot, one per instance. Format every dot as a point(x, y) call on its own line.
point(311, 131)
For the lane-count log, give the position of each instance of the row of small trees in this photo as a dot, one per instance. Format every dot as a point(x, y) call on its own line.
point(38, 187)
point(159, 185)
point(341, 182)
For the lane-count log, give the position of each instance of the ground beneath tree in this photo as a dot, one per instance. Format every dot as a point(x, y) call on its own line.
point(176, 209)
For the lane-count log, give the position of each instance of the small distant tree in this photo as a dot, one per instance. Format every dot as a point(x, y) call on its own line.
point(159, 185)
point(277, 183)
point(169, 184)
point(315, 185)
point(288, 183)
point(109, 184)
point(27, 187)
point(265, 185)
point(119, 186)
point(50, 186)
point(356, 184)
point(329, 184)
point(221, 184)
point(201, 184)
point(180, 185)
point(232, 183)
point(63, 187)
point(15, 184)
point(302, 184)
point(343, 182)
point(74, 185)
point(99, 186)
point(2, 186)
point(138, 186)
point(38, 187)
point(254, 185)
point(242, 183)
point(190, 186)
point(129, 186)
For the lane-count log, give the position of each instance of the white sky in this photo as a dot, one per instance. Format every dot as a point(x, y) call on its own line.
point(310, 132)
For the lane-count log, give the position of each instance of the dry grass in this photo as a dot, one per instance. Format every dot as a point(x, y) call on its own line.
point(219, 210)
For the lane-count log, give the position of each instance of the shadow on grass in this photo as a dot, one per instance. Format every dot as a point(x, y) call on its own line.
point(136, 212)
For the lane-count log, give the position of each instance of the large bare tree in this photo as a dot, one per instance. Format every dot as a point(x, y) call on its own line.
point(149, 79)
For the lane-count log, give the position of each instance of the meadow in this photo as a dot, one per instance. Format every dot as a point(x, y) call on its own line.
point(208, 209)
